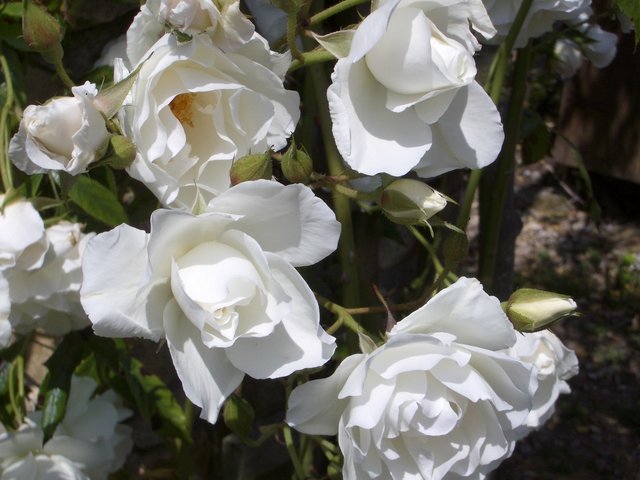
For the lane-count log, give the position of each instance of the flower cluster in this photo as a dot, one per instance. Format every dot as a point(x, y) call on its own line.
point(89, 443)
point(451, 388)
point(41, 273)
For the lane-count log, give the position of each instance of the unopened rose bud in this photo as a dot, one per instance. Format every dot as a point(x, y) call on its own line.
point(411, 202)
point(296, 165)
point(251, 167)
point(532, 310)
point(66, 133)
point(42, 32)
point(121, 152)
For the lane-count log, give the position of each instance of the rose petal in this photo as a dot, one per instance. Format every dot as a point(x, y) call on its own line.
point(466, 311)
point(314, 407)
point(288, 220)
point(207, 375)
point(468, 135)
point(298, 342)
point(371, 138)
point(115, 293)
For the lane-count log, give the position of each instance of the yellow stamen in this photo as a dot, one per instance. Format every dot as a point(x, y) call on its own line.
point(181, 107)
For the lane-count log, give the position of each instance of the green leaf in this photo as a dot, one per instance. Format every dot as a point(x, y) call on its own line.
point(155, 401)
point(536, 138)
point(97, 201)
point(238, 415)
point(61, 366)
point(631, 8)
point(12, 10)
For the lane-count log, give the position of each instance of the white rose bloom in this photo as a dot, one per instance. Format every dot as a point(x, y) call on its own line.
point(48, 298)
point(405, 98)
point(441, 399)
point(219, 287)
point(539, 20)
point(553, 364)
point(23, 242)
point(194, 109)
point(89, 443)
point(599, 47)
point(222, 20)
point(67, 133)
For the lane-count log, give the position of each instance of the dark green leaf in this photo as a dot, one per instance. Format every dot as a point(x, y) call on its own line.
point(61, 366)
point(238, 416)
point(98, 201)
point(155, 401)
point(631, 8)
point(536, 139)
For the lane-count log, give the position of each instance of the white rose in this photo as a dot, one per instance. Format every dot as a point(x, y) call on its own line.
point(67, 133)
point(540, 18)
point(23, 242)
point(89, 443)
point(222, 20)
point(194, 109)
point(441, 399)
point(48, 297)
point(553, 364)
point(219, 287)
point(598, 45)
point(405, 97)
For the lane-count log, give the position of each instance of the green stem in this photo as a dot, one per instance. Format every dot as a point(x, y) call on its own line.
point(293, 454)
point(465, 207)
point(333, 10)
point(311, 58)
point(5, 163)
point(346, 246)
point(292, 32)
point(492, 225)
point(64, 76)
point(493, 86)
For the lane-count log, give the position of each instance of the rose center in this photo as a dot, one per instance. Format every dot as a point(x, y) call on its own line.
point(182, 108)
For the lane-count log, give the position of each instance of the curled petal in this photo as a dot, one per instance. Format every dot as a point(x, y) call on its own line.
point(296, 343)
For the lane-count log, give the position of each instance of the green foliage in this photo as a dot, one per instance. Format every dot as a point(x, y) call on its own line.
point(238, 415)
point(56, 388)
point(631, 8)
point(97, 200)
